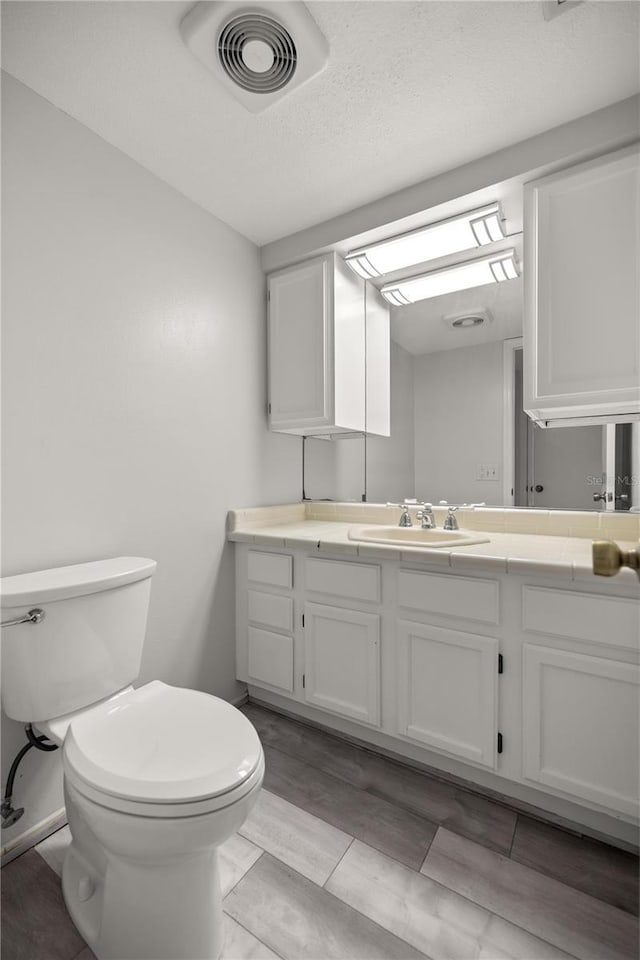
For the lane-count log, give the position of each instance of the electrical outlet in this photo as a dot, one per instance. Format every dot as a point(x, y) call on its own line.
point(487, 471)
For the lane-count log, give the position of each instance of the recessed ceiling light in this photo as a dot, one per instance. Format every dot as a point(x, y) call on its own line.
point(470, 321)
point(464, 232)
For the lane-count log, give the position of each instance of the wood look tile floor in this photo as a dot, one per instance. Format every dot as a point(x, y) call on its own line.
point(351, 855)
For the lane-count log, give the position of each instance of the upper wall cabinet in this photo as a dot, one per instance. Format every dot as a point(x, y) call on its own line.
point(582, 291)
point(328, 339)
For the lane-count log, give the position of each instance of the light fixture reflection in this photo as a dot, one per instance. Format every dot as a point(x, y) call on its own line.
point(461, 276)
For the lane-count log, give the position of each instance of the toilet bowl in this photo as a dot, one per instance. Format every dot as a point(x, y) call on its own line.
point(155, 778)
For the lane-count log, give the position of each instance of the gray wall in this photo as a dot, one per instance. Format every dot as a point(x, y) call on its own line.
point(133, 395)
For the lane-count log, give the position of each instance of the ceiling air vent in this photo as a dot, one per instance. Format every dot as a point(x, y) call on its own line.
point(259, 53)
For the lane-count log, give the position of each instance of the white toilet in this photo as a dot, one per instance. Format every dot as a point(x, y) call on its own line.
point(155, 778)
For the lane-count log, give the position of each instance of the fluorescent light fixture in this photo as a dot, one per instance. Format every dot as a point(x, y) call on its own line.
point(461, 276)
point(464, 232)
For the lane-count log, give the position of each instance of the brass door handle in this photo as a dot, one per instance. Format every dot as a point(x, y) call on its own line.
point(608, 558)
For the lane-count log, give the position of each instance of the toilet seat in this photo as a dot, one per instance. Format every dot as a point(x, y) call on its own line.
point(163, 751)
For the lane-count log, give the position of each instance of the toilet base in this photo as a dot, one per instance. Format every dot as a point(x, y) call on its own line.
point(171, 912)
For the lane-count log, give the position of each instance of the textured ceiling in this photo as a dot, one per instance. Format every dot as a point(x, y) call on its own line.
point(411, 89)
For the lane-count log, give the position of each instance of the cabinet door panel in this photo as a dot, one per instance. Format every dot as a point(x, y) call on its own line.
point(342, 661)
point(582, 616)
point(355, 581)
point(270, 609)
point(447, 690)
point(581, 726)
point(582, 248)
point(271, 568)
point(270, 658)
point(300, 344)
point(451, 596)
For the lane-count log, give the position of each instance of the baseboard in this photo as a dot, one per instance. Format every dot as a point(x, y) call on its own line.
point(241, 700)
point(30, 838)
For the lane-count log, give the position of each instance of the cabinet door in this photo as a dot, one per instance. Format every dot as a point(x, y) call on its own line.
point(342, 661)
point(301, 345)
point(580, 725)
point(447, 690)
point(582, 295)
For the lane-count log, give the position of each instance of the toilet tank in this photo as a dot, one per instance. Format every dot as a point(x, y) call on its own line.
point(89, 643)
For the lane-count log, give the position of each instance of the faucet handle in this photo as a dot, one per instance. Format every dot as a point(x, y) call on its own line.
point(451, 522)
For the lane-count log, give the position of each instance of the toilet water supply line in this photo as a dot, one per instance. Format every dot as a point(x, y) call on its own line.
point(8, 812)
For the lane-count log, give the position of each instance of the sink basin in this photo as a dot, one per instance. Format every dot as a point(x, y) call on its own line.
point(416, 536)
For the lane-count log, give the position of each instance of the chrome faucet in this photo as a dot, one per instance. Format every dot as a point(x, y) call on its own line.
point(451, 522)
point(427, 517)
point(405, 518)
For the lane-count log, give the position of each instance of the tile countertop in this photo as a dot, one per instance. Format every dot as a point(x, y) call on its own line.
point(547, 543)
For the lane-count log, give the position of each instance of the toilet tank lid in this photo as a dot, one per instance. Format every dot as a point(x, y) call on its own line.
point(76, 580)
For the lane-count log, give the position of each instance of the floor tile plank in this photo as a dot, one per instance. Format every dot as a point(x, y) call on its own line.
point(385, 826)
point(304, 842)
point(53, 849)
point(571, 920)
point(462, 811)
point(35, 923)
point(595, 868)
point(301, 921)
point(430, 917)
point(239, 944)
point(237, 855)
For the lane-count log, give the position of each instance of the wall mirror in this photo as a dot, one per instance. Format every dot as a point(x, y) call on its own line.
point(458, 432)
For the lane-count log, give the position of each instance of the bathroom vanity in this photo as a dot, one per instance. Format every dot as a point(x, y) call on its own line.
point(505, 663)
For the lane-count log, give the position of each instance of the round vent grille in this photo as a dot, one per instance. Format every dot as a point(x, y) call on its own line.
point(257, 53)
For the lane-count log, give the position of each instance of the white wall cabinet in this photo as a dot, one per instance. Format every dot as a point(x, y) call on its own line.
point(582, 291)
point(581, 725)
point(328, 338)
point(448, 690)
point(342, 661)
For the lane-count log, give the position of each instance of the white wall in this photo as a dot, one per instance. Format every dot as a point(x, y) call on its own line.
point(133, 395)
point(459, 424)
point(390, 460)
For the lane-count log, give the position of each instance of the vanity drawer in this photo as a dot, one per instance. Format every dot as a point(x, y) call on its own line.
point(270, 658)
point(614, 621)
point(271, 610)
point(450, 596)
point(274, 569)
point(354, 581)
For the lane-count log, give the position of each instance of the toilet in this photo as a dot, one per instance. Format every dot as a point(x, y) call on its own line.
point(156, 778)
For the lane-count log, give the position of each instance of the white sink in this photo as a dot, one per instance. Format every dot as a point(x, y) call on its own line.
point(416, 536)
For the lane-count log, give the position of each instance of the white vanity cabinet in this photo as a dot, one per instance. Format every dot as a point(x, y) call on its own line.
point(581, 695)
point(328, 338)
point(341, 628)
point(266, 609)
point(447, 678)
point(582, 291)
point(528, 686)
point(342, 661)
point(448, 690)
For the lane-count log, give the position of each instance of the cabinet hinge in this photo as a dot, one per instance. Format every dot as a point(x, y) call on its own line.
point(499, 743)
point(500, 664)
point(269, 409)
point(303, 681)
point(303, 619)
